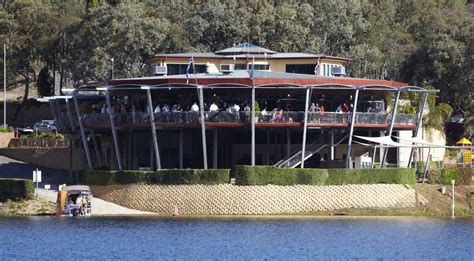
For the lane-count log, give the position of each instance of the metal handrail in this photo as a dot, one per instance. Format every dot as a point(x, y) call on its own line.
point(245, 116)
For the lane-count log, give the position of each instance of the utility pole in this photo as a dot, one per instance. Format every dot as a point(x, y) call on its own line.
point(4, 85)
point(112, 60)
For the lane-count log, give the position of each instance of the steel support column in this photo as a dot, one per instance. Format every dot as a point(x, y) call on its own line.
point(59, 121)
point(418, 125)
point(288, 143)
point(351, 130)
point(428, 160)
point(305, 128)
point(83, 132)
point(373, 156)
point(69, 114)
point(96, 148)
point(267, 158)
point(332, 144)
point(253, 128)
point(203, 125)
point(214, 150)
point(180, 149)
point(53, 110)
point(153, 130)
point(390, 126)
point(114, 130)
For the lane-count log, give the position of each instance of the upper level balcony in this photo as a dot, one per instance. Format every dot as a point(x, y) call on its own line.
point(243, 119)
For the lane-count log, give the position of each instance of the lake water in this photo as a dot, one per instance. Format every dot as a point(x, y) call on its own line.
point(202, 239)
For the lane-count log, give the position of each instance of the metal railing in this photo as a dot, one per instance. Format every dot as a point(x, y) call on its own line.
point(244, 117)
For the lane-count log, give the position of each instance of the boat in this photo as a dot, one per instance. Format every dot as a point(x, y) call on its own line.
point(74, 201)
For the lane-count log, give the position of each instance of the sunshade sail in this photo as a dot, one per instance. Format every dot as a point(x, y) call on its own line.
point(463, 141)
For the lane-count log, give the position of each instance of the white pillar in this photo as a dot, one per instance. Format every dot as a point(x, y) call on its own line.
point(203, 126)
point(253, 128)
point(305, 127)
point(390, 127)
point(351, 132)
point(419, 123)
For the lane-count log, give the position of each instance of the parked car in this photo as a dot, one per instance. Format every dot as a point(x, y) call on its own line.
point(45, 126)
point(25, 130)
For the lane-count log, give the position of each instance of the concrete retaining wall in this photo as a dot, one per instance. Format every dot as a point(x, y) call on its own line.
point(55, 158)
point(249, 200)
point(5, 138)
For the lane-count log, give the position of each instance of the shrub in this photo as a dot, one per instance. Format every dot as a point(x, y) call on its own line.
point(263, 175)
point(462, 176)
point(15, 189)
point(166, 176)
point(4, 130)
point(434, 176)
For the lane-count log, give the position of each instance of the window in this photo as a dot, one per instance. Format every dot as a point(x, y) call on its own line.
point(240, 66)
point(300, 68)
point(260, 67)
point(174, 69)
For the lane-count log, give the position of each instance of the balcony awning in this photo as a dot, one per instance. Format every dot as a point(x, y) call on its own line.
point(424, 143)
point(384, 141)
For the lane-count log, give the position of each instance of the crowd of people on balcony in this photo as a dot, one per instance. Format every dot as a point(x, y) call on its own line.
point(273, 111)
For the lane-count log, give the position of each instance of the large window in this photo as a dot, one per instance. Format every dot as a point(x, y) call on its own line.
point(300, 68)
point(240, 66)
point(260, 67)
point(174, 69)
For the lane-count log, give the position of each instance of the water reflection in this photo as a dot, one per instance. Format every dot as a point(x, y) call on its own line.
point(148, 237)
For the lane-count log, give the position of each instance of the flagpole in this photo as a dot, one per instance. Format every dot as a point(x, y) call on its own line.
point(194, 72)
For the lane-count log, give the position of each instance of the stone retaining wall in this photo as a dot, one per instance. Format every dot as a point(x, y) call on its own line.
point(55, 158)
point(249, 200)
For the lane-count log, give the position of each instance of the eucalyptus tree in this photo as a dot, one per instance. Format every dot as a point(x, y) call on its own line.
point(33, 25)
point(122, 36)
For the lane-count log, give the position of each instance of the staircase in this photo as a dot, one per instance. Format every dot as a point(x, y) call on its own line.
point(313, 147)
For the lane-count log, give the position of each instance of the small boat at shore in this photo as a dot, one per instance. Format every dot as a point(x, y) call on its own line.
point(74, 201)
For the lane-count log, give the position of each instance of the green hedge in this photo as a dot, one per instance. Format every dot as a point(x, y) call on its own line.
point(166, 176)
point(16, 189)
point(462, 176)
point(263, 175)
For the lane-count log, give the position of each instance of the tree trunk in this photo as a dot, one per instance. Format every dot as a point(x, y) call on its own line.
point(27, 82)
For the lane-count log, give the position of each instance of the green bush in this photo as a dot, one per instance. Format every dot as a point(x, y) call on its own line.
point(470, 200)
point(4, 130)
point(434, 176)
point(166, 176)
point(15, 189)
point(263, 175)
point(462, 176)
point(420, 165)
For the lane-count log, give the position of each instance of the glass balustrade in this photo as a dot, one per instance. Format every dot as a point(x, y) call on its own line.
point(244, 117)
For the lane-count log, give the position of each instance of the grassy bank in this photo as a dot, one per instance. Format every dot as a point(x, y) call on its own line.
point(30, 207)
